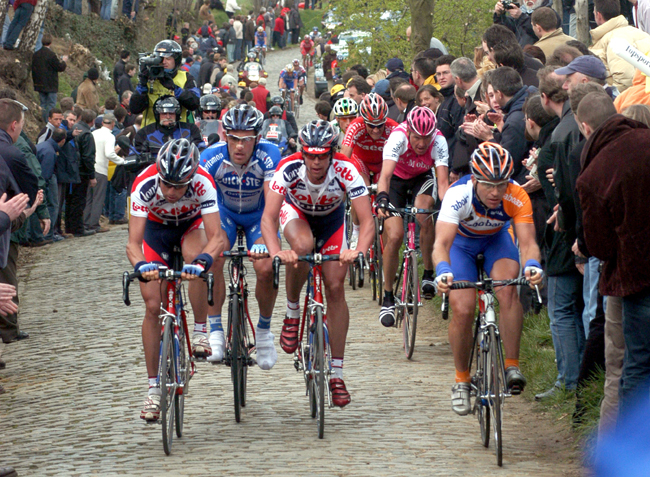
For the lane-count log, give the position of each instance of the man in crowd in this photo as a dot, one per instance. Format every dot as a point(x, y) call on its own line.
point(120, 68)
point(48, 153)
point(75, 198)
point(55, 117)
point(87, 95)
point(544, 22)
point(46, 67)
point(124, 81)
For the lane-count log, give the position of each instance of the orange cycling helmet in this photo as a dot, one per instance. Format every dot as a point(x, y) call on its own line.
point(491, 162)
point(373, 109)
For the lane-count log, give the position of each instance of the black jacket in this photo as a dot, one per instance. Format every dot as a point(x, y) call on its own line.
point(514, 132)
point(124, 84)
point(522, 26)
point(205, 71)
point(67, 165)
point(25, 178)
point(118, 71)
point(46, 67)
point(450, 116)
point(464, 144)
point(86, 145)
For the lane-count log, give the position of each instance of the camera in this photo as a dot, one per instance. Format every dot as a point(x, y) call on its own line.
point(151, 65)
point(508, 4)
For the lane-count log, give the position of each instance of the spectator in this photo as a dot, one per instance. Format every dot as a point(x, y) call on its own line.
point(296, 24)
point(586, 69)
point(75, 198)
point(450, 113)
point(47, 153)
point(67, 167)
point(125, 100)
point(501, 47)
point(617, 193)
point(231, 6)
point(563, 55)
point(323, 110)
point(221, 63)
point(87, 95)
point(424, 72)
point(395, 68)
point(544, 22)
point(124, 82)
point(229, 41)
point(120, 68)
point(260, 21)
point(53, 122)
point(518, 20)
point(358, 88)
point(328, 59)
point(261, 96)
point(205, 14)
point(205, 70)
point(404, 98)
point(207, 42)
point(536, 52)
point(195, 69)
point(278, 32)
point(611, 24)
point(249, 33)
point(22, 13)
point(46, 67)
point(238, 26)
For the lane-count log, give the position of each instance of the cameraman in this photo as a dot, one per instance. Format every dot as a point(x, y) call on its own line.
point(517, 19)
point(167, 114)
point(152, 85)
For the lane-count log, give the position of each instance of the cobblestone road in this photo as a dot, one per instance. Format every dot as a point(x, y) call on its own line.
point(75, 388)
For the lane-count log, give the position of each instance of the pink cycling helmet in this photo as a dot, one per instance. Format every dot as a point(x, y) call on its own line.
point(421, 121)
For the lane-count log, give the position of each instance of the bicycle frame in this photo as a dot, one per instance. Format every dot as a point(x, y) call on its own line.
point(238, 290)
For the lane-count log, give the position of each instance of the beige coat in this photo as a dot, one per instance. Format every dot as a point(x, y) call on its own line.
point(87, 96)
point(548, 43)
point(205, 13)
point(620, 73)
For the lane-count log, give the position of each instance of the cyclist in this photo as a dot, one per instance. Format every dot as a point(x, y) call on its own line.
point(345, 111)
point(415, 170)
point(287, 80)
point(242, 168)
point(173, 203)
point(307, 51)
point(307, 198)
point(364, 141)
point(301, 75)
point(474, 218)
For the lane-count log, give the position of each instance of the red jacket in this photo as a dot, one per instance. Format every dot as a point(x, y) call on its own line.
point(260, 21)
point(260, 94)
point(279, 25)
point(17, 3)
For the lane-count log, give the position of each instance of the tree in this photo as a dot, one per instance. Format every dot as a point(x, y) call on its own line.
point(421, 24)
point(582, 14)
point(3, 10)
point(33, 28)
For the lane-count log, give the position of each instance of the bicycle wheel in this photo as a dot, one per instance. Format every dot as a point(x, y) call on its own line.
point(482, 408)
point(319, 363)
point(236, 358)
point(244, 356)
point(379, 263)
point(167, 387)
point(372, 272)
point(184, 371)
point(496, 393)
point(410, 299)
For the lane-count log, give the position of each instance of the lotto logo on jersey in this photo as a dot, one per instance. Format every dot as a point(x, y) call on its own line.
point(139, 208)
point(283, 216)
point(148, 191)
point(344, 172)
point(199, 189)
point(278, 188)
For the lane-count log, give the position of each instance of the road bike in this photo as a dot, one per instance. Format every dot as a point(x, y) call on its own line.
point(407, 281)
point(240, 338)
point(488, 385)
point(289, 97)
point(176, 363)
point(355, 272)
point(313, 356)
point(374, 262)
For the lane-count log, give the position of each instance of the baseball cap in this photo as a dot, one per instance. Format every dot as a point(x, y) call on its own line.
point(382, 88)
point(336, 88)
point(394, 64)
point(587, 65)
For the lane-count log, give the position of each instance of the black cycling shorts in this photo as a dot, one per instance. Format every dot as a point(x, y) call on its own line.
point(403, 191)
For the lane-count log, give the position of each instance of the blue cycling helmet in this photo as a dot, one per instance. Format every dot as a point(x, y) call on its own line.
point(317, 137)
point(243, 118)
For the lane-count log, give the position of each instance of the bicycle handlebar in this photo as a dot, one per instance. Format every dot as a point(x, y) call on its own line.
point(232, 253)
point(312, 258)
point(168, 275)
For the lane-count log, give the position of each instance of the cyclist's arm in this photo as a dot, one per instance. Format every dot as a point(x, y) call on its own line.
point(136, 237)
point(216, 235)
point(387, 169)
point(442, 176)
point(271, 221)
point(346, 151)
point(282, 84)
point(528, 247)
point(361, 206)
point(445, 235)
point(440, 157)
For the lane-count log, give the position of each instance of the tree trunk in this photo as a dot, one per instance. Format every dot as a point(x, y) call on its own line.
point(30, 33)
point(582, 15)
point(557, 6)
point(257, 4)
point(421, 24)
point(3, 11)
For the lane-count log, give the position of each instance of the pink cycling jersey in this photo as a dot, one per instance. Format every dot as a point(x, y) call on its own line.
point(410, 164)
point(365, 148)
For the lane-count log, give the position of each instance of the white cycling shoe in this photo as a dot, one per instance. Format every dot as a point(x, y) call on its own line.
point(218, 346)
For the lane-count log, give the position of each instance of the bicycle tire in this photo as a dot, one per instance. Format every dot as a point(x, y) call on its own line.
point(184, 371)
point(397, 292)
point(319, 362)
point(167, 396)
point(410, 300)
point(245, 353)
point(235, 355)
point(496, 389)
point(379, 260)
point(482, 407)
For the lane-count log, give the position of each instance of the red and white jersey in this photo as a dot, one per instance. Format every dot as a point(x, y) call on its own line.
point(365, 148)
point(410, 164)
point(147, 200)
point(290, 180)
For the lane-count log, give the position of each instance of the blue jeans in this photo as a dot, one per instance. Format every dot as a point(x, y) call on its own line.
point(238, 44)
point(52, 198)
point(116, 203)
point(48, 101)
point(39, 40)
point(590, 292)
point(5, 29)
point(21, 17)
point(105, 12)
point(565, 311)
point(230, 52)
point(569, 23)
point(635, 380)
point(73, 6)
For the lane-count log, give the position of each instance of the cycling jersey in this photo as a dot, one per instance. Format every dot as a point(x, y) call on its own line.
point(288, 78)
point(240, 188)
point(364, 148)
point(299, 72)
point(409, 164)
point(290, 180)
point(260, 39)
point(147, 199)
point(461, 206)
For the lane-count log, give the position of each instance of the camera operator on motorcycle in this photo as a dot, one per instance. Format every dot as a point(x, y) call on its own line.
point(160, 76)
point(209, 123)
point(288, 116)
point(280, 132)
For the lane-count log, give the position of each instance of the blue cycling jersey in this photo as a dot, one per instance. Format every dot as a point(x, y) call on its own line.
point(241, 188)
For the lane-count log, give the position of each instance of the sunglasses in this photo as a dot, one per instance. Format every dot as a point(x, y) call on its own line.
point(243, 140)
point(173, 186)
point(501, 185)
point(375, 126)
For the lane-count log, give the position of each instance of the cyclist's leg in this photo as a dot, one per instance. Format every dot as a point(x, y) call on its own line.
point(392, 236)
point(151, 294)
point(365, 175)
point(427, 231)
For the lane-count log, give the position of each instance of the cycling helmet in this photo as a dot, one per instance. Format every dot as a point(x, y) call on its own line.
point(275, 111)
point(243, 117)
point(374, 109)
point(166, 104)
point(317, 137)
point(260, 29)
point(421, 121)
point(177, 161)
point(210, 102)
point(307, 37)
point(289, 68)
point(252, 55)
point(491, 162)
point(168, 48)
point(346, 107)
point(278, 100)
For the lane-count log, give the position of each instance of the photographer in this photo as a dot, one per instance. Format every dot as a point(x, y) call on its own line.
point(168, 125)
point(160, 76)
point(516, 18)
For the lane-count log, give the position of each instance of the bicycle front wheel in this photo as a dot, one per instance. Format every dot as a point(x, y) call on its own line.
point(482, 390)
point(379, 263)
point(496, 392)
point(319, 371)
point(245, 350)
point(410, 299)
point(167, 387)
point(236, 356)
point(184, 372)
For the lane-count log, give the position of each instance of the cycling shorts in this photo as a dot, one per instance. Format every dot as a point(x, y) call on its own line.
point(249, 221)
point(160, 239)
point(403, 191)
point(464, 250)
point(328, 230)
point(289, 84)
point(363, 169)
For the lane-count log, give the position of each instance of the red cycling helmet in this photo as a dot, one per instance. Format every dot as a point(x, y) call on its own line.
point(374, 109)
point(421, 121)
